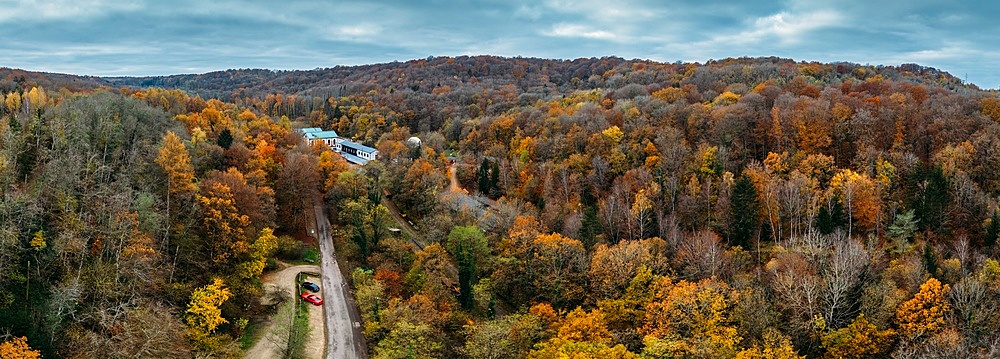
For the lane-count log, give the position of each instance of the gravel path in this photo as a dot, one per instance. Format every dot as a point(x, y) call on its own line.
point(275, 337)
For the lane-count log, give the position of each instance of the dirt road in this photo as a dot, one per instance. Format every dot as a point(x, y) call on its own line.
point(343, 322)
point(275, 338)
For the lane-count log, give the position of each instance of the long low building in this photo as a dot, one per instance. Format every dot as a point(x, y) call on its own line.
point(351, 151)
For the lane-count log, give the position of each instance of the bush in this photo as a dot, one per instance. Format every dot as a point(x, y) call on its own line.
point(289, 249)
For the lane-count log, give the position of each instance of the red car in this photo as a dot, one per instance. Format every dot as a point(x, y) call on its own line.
point(312, 298)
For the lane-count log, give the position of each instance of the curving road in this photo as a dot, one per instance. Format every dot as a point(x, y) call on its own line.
point(343, 322)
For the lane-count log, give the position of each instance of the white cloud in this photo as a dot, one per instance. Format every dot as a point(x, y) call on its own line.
point(783, 28)
point(576, 30)
point(528, 12)
point(604, 11)
point(358, 30)
point(61, 9)
point(790, 27)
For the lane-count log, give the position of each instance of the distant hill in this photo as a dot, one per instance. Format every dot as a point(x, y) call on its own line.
point(16, 79)
point(529, 74)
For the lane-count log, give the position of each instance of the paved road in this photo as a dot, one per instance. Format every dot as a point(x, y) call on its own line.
point(343, 322)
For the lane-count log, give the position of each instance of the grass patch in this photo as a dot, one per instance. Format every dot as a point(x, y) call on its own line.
point(299, 333)
point(305, 255)
point(311, 255)
point(251, 334)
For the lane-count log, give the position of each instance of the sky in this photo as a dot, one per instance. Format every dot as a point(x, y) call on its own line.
point(156, 37)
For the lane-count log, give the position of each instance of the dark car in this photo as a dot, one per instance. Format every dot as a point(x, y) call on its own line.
point(312, 298)
point(312, 287)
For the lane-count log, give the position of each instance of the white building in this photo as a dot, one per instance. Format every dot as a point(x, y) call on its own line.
point(353, 152)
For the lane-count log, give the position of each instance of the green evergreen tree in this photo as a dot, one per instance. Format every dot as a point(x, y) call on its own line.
point(468, 246)
point(495, 180)
point(928, 196)
point(992, 231)
point(483, 177)
point(590, 227)
point(900, 232)
point(743, 209)
point(830, 218)
point(930, 259)
point(225, 138)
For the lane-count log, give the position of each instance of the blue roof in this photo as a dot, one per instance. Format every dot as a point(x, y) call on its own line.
point(310, 129)
point(325, 134)
point(354, 159)
point(357, 146)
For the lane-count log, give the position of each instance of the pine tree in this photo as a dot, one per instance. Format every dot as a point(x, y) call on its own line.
point(929, 197)
point(930, 259)
point(744, 212)
point(829, 218)
point(495, 180)
point(590, 227)
point(225, 138)
point(483, 177)
point(992, 231)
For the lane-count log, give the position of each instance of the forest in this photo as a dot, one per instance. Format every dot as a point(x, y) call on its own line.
point(605, 208)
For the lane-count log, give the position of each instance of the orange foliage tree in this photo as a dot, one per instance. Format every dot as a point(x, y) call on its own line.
point(925, 313)
point(17, 348)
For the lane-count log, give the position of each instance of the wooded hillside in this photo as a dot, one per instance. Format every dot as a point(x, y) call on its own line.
point(751, 208)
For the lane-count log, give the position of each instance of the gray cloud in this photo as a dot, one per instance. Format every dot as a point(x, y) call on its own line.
point(145, 37)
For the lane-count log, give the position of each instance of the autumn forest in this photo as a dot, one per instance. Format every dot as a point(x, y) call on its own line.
point(592, 208)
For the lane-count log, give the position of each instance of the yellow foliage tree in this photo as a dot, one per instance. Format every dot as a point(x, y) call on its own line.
point(203, 313)
point(776, 163)
point(925, 313)
point(224, 222)
point(176, 162)
point(955, 158)
point(861, 339)
point(35, 98)
point(260, 250)
point(991, 108)
point(669, 94)
point(558, 348)
point(613, 134)
point(560, 267)
point(626, 312)
point(585, 327)
point(725, 99)
point(690, 319)
point(38, 241)
point(13, 101)
point(776, 346)
point(17, 348)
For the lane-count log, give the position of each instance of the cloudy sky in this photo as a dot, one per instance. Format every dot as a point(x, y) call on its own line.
point(149, 37)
